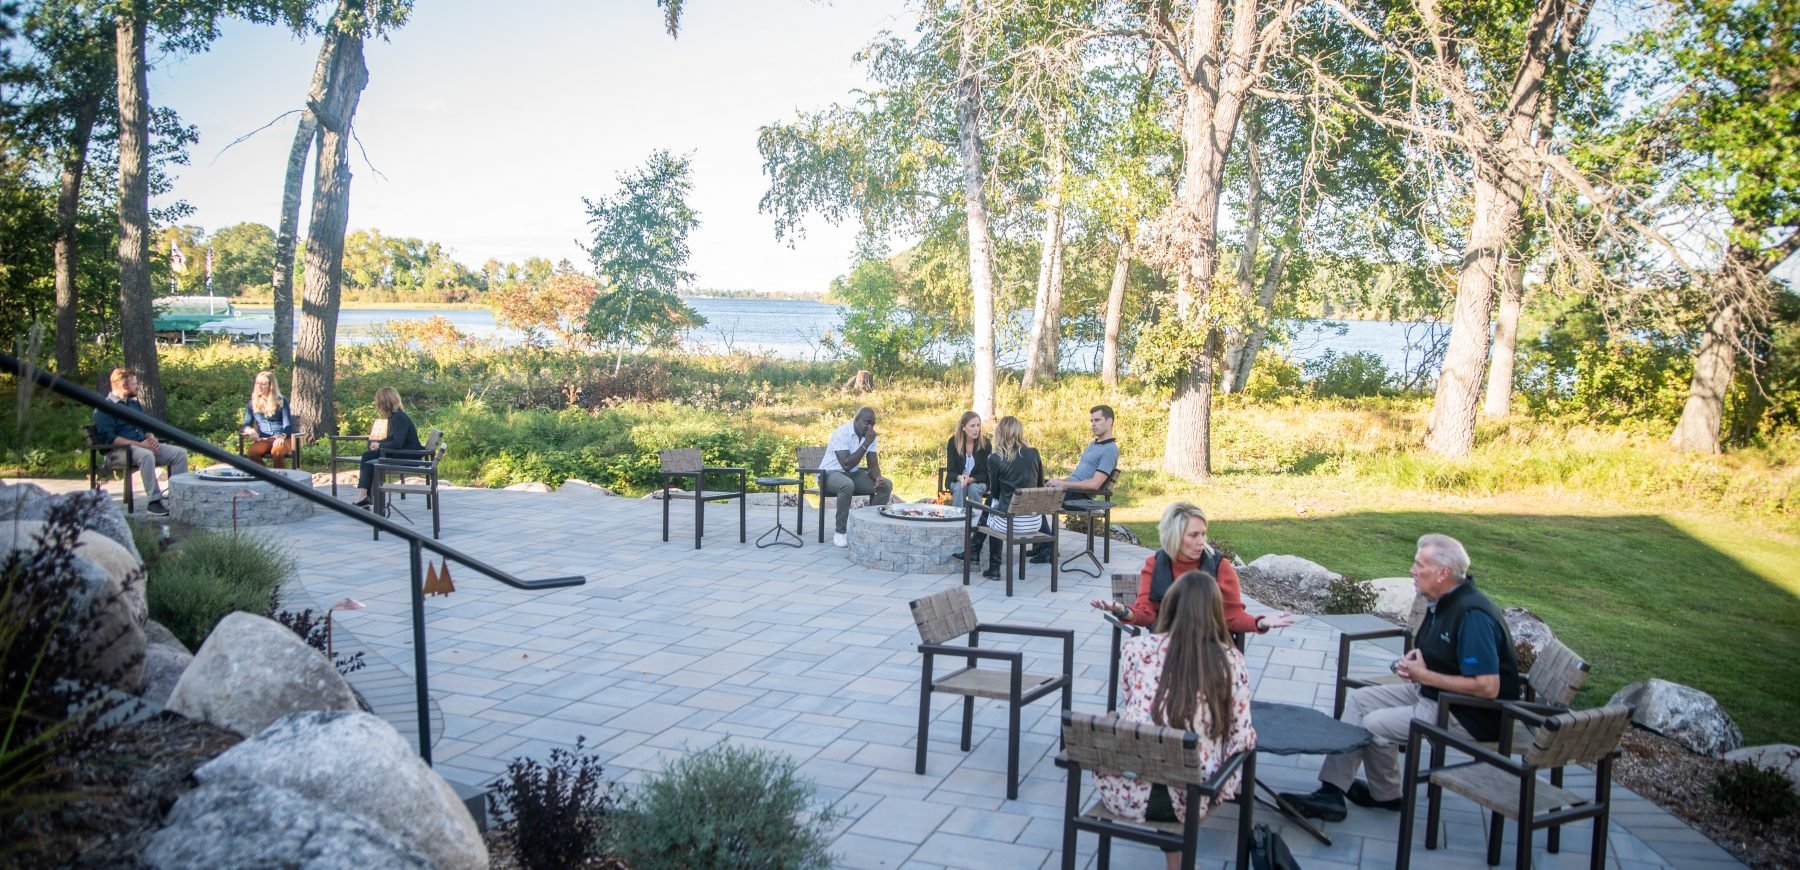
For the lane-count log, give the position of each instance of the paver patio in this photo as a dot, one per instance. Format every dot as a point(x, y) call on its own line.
point(668, 649)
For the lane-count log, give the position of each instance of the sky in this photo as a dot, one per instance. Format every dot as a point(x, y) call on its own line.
point(484, 129)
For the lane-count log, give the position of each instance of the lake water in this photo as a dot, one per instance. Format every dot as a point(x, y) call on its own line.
point(795, 329)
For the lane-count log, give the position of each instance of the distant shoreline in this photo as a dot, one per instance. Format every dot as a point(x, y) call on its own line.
point(248, 306)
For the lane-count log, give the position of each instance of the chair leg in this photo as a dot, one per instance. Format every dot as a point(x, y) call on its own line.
point(1012, 743)
point(1409, 804)
point(1554, 835)
point(1103, 858)
point(924, 714)
point(1434, 798)
point(699, 516)
point(435, 524)
point(1071, 806)
point(1107, 542)
point(1603, 797)
point(1523, 861)
point(1009, 564)
point(1246, 800)
point(665, 501)
point(968, 723)
point(744, 514)
point(1055, 555)
point(1497, 830)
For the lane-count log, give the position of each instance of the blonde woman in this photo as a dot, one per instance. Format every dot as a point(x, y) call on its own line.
point(400, 434)
point(1182, 534)
point(1014, 465)
point(268, 421)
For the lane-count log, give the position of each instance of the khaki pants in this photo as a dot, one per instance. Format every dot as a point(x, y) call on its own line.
point(1387, 711)
point(146, 461)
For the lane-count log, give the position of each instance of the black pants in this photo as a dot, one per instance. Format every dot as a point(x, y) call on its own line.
point(366, 471)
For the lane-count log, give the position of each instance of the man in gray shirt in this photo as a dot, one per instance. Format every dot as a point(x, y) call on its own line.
point(1099, 462)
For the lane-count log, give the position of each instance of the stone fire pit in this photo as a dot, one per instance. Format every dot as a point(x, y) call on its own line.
point(198, 501)
point(907, 546)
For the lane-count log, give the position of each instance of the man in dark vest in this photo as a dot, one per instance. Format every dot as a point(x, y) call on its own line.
point(1462, 646)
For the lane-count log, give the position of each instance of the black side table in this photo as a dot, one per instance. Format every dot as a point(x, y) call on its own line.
point(1290, 729)
point(779, 534)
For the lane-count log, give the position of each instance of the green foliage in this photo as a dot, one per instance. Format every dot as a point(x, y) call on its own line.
point(1166, 350)
point(1274, 378)
point(1349, 594)
point(724, 807)
point(881, 330)
point(1346, 377)
point(1760, 794)
point(211, 574)
point(558, 809)
point(244, 259)
point(640, 248)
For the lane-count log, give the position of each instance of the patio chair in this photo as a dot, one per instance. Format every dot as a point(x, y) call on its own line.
point(808, 461)
point(293, 459)
point(1153, 754)
point(405, 466)
point(1042, 502)
point(357, 444)
point(686, 462)
point(1124, 590)
point(108, 457)
point(1347, 681)
point(1099, 508)
point(945, 616)
point(1511, 790)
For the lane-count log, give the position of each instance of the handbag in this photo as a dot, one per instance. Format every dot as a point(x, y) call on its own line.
point(1269, 852)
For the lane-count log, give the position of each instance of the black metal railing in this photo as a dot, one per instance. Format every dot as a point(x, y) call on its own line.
point(416, 542)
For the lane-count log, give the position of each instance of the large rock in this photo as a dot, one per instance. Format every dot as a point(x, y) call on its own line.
point(247, 824)
point(157, 633)
point(1393, 597)
point(105, 617)
point(1310, 578)
point(577, 485)
point(163, 667)
point(252, 671)
point(119, 563)
point(1683, 714)
point(1784, 757)
point(528, 486)
point(1529, 633)
point(100, 513)
point(360, 765)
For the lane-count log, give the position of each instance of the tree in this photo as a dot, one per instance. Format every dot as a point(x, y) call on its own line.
point(639, 249)
point(243, 254)
point(558, 305)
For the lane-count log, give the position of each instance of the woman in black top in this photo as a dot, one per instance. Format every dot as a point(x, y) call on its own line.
point(401, 435)
point(1014, 465)
point(965, 460)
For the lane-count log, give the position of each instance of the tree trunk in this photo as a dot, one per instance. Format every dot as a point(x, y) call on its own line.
point(137, 316)
point(1716, 362)
point(1246, 264)
point(68, 207)
point(1115, 310)
point(1506, 338)
point(1046, 310)
point(981, 270)
point(1265, 307)
point(1451, 431)
point(315, 357)
point(282, 280)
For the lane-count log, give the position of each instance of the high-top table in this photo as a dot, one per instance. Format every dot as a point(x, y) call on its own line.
point(1290, 729)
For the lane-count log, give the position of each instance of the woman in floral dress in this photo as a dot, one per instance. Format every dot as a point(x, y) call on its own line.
point(1184, 675)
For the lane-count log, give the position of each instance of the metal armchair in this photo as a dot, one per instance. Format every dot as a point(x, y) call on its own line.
point(1042, 502)
point(686, 462)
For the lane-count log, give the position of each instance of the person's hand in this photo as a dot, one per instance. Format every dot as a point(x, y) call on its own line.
point(1411, 665)
point(1105, 604)
point(374, 445)
point(150, 442)
point(250, 431)
point(1055, 483)
point(964, 479)
point(1276, 620)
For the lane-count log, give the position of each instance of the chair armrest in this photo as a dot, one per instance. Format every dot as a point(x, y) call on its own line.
point(402, 467)
point(1067, 634)
point(1443, 738)
point(403, 452)
point(722, 468)
point(336, 438)
point(1122, 625)
point(974, 652)
point(1372, 634)
point(1216, 782)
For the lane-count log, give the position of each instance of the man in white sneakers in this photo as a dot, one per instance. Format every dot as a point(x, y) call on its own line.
point(851, 467)
point(141, 448)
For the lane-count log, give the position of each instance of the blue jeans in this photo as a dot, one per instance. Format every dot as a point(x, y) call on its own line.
point(959, 493)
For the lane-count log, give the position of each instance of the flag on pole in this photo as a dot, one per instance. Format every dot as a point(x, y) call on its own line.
point(177, 260)
point(209, 267)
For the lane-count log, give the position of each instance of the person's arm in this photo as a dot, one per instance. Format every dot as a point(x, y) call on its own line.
point(874, 458)
point(1143, 610)
point(249, 424)
point(287, 418)
point(1092, 484)
point(1236, 617)
point(953, 463)
point(106, 428)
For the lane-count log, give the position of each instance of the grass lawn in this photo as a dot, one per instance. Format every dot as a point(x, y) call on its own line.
point(1707, 602)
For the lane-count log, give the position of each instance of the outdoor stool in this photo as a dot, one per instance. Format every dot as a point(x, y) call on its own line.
point(780, 533)
point(1099, 508)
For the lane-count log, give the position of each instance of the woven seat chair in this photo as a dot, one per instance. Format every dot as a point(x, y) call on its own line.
point(945, 616)
point(1099, 508)
point(686, 462)
point(1347, 681)
point(1124, 590)
point(808, 461)
point(1153, 754)
point(110, 458)
point(293, 459)
point(346, 451)
point(409, 472)
point(1041, 501)
point(1511, 790)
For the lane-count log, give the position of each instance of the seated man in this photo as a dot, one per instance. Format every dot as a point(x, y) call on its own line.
point(1099, 462)
point(1463, 647)
point(141, 448)
point(844, 476)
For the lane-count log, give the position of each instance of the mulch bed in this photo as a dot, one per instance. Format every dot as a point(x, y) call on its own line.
point(1665, 772)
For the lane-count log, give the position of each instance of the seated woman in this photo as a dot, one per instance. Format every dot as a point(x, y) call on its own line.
point(399, 433)
point(1013, 465)
point(268, 420)
point(965, 457)
point(1182, 534)
point(1186, 675)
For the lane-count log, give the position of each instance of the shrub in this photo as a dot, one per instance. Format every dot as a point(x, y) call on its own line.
point(558, 810)
point(212, 574)
point(316, 631)
point(724, 807)
point(1349, 595)
point(1349, 376)
point(1761, 794)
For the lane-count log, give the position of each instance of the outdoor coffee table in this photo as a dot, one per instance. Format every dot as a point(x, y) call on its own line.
point(779, 534)
point(1289, 729)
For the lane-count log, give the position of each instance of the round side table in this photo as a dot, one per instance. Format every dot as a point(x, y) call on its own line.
point(780, 534)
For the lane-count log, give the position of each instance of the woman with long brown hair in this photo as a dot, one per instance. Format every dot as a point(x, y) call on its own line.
point(393, 431)
point(965, 460)
point(1185, 675)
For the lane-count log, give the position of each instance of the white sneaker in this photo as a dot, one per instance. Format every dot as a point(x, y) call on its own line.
point(840, 539)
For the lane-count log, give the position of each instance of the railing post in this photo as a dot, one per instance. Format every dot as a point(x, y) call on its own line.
point(419, 677)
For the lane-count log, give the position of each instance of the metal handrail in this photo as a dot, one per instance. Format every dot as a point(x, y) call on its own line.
point(416, 541)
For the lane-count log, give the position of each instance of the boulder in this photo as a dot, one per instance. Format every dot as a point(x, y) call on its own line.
point(1683, 714)
point(101, 514)
point(163, 667)
point(252, 671)
point(247, 824)
point(119, 563)
point(1309, 578)
point(1529, 633)
point(104, 616)
point(1784, 757)
point(528, 486)
point(1120, 533)
point(360, 765)
point(576, 484)
point(1393, 597)
point(156, 633)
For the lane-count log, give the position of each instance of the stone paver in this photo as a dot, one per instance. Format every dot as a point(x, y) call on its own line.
point(667, 649)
